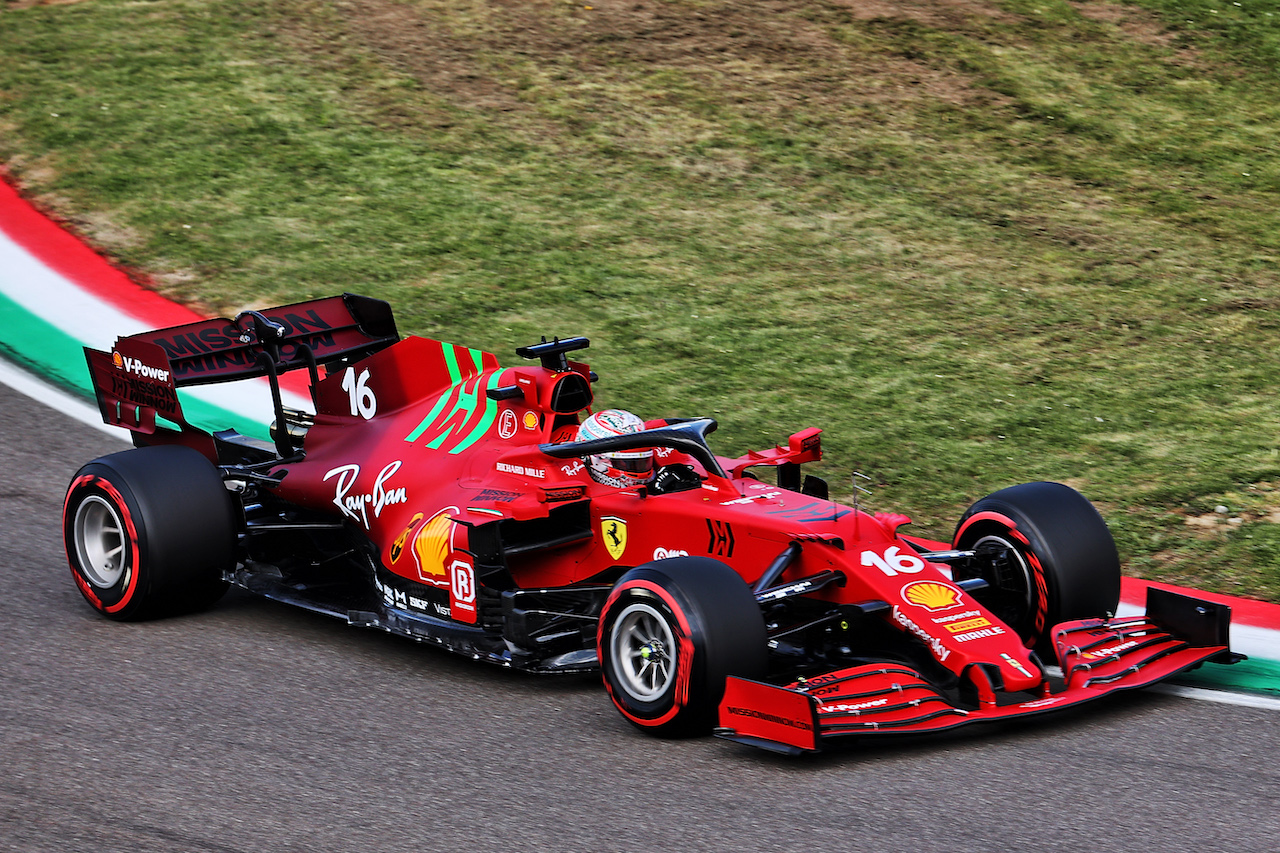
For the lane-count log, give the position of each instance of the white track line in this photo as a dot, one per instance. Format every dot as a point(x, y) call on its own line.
point(55, 398)
point(1247, 700)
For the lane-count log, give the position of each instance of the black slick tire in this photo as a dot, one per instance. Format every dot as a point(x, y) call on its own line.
point(148, 532)
point(670, 633)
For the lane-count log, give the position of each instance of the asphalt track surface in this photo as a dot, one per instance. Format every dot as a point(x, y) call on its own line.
point(254, 727)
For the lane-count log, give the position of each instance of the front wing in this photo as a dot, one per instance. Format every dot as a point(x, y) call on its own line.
point(1097, 657)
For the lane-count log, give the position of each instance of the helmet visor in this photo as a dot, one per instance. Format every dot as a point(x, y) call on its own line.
point(633, 464)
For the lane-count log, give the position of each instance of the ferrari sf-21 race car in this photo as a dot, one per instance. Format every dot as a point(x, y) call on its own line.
point(437, 495)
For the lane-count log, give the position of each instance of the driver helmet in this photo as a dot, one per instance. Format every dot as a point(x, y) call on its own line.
point(622, 468)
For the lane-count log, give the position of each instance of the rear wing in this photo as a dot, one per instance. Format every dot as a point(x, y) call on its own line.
point(293, 336)
point(139, 378)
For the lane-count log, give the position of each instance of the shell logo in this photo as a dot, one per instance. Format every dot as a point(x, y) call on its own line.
point(931, 595)
point(397, 547)
point(432, 545)
point(117, 359)
point(530, 421)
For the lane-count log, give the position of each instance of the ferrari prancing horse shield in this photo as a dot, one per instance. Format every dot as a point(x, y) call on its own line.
point(615, 535)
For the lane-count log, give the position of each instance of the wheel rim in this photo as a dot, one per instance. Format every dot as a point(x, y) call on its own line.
point(100, 542)
point(1012, 587)
point(644, 652)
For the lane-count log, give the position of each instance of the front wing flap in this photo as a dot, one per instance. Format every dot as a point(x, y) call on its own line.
point(1097, 657)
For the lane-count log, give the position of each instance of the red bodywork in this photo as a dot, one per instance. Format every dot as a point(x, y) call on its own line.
point(427, 448)
point(436, 446)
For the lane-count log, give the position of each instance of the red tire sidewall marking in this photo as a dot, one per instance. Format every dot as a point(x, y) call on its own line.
point(1041, 615)
point(684, 670)
point(1003, 520)
point(86, 588)
point(1042, 594)
point(92, 481)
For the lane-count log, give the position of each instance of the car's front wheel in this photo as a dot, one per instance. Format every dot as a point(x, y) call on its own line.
point(1046, 554)
point(670, 633)
point(148, 532)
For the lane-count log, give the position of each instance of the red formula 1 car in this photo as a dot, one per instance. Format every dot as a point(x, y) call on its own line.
point(439, 496)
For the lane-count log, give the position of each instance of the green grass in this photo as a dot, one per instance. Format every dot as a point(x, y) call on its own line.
point(978, 243)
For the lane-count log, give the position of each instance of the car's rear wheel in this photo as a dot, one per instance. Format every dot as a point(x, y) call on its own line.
point(148, 532)
point(670, 633)
point(1046, 554)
